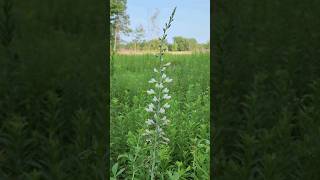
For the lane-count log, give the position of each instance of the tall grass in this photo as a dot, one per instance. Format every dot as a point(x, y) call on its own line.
point(187, 154)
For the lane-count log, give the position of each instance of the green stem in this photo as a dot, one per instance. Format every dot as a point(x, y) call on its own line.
point(154, 157)
point(134, 160)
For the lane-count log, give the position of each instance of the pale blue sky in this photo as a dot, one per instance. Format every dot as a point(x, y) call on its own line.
point(192, 18)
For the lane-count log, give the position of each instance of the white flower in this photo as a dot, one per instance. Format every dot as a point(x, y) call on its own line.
point(155, 99)
point(162, 110)
point(168, 80)
point(165, 90)
point(152, 80)
point(166, 139)
point(163, 69)
point(159, 130)
point(150, 122)
point(147, 132)
point(149, 109)
point(166, 106)
point(151, 106)
point(166, 96)
point(155, 70)
point(165, 121)
point(150, 91)
point(164, 76)
point(168, 64)
point(160, 86)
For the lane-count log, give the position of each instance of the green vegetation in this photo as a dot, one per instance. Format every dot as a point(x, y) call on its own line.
point(53, 92)
point(266, 89)
point(119, 25)
point(119, 22)
point(157, 133)
point(179, 44)
point(187, 154)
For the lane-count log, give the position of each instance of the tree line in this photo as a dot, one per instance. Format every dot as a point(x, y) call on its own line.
point(120, 25)
point(179, 44)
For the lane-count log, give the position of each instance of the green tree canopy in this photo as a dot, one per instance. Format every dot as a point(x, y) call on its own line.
point(119, 20)
point(184, 44)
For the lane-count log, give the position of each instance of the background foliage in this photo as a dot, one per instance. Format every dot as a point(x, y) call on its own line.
point(266, 90)
point(119, 22)
point(179, 44)
point(120, 26)
point(52, 90)
point(187, 155)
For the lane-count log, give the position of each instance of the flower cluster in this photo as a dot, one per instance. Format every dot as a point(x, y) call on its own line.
point(159, 105)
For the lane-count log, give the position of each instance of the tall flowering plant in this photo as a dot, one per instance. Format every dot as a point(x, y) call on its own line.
point(157, 108)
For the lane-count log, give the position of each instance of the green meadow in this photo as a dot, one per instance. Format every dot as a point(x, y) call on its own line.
point(187, 153)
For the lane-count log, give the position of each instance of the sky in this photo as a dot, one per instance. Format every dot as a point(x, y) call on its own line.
point(192, 18)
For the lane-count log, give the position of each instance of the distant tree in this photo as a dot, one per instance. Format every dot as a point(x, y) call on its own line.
point(154, 44)
point(207, 45)
point(170, 47)
point(192, 44)
point(174, 46)
point(139, 33)
point(119, 20)
point(143, 45)
point(184, 44)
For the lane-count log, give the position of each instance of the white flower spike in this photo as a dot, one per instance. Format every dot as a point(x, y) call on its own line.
point(155, 134)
